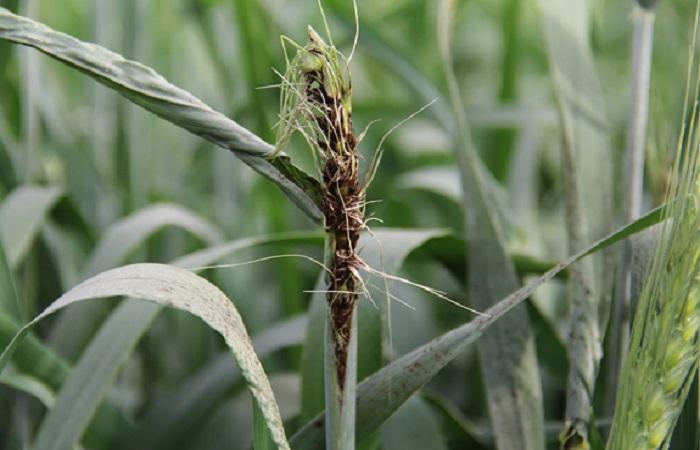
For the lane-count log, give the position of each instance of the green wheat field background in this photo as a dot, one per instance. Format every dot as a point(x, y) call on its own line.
point(375, 225)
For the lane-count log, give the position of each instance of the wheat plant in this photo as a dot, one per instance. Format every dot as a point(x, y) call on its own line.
point(454, 152)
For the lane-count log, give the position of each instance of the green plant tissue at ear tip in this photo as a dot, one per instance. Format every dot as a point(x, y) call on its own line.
point(310, 62)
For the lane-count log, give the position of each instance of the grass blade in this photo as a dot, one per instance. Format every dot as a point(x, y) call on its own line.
point(32, 357)
point(502, 140)
point(9, 302)
point(413, 370)
point(507, 353)
point(37, 361)
point(129, 233)
point(643, 40)
point(146, 88)
point(75, 326)
point(132, 321)
point(29, 385)
point(401, 433)
point(21, 216)
point(63, 426)
point(172, 421)
point(164, 285)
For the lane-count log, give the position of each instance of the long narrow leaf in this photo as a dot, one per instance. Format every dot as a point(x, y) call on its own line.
point(507, 353)
point(382, 393)
point(29, 385)
point(32, 357)
point(146, 88)
point(65, 422)
point(127, 234)
point(126, 325)
point(9, 302)
point(401, 433)
point(21, 215)
point(164, 285)
point(75, 326)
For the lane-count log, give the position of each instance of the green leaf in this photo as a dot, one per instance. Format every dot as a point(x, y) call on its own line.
point(262, 440)
point(76, 325)
point(163, 285)
point(79, 395)
point(441, 180)
point(127, 234)
point(9, 302)
point(9, 150)
point(129, 322)
point(507, 353)
point(401, 433)
point(22, 214)
point(29, 385)
point(382, 393)
point(148, 89)
point(475, 435)
point(449, 250)
point(32, 356)
point(34, 359)
point(172, 420)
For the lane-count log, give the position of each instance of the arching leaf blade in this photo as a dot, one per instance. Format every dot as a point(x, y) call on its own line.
point(75, 326)
point(143, 86)
point(163, 285)
point(133, 323)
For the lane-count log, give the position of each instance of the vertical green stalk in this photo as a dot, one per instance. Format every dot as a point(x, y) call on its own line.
point(9, 301)
point(584, 336)
point(104, 103)
point(587, 182)
point(642, 44)
point(30, 70)
point(31, 131)
point(501, 145)
point(139, 151)
point(103, 12)
point(340, 394)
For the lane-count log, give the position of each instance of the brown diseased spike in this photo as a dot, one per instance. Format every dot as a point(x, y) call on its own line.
point(343, 202)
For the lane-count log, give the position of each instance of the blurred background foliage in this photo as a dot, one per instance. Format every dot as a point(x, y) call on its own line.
point(77, 162)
